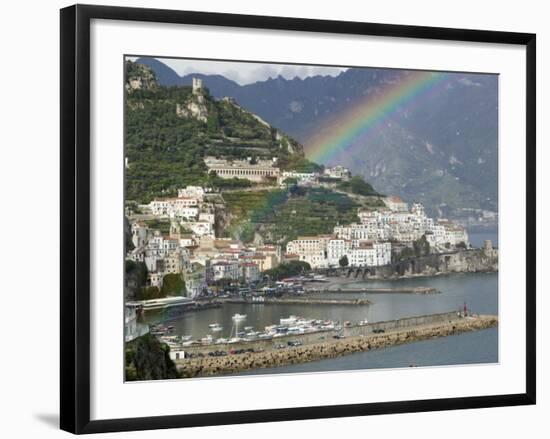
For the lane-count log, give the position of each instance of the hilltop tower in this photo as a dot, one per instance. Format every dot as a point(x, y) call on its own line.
point(197, 86)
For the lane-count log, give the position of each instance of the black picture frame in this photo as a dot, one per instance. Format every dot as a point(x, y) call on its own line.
point(75, 217)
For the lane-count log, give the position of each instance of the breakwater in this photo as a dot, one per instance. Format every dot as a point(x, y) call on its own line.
point(337, 289)
point(359, 339)
point(297, 301)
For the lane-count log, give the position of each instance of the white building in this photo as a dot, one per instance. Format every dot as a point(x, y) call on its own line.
point(311, 249)
point(370, 254)
point(300, 176)
point(154, 280)
point(338, 172)
point(336, 249)
point(225, 270)
point(201, 228)
point(196, 192)
point(396, 204)
point(175, 207)
point(249, 271)
point(254, 171)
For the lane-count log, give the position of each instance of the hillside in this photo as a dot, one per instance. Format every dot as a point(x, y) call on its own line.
point(170, 129)
point(443, 152)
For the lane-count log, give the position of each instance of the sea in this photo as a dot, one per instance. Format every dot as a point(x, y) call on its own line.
point(479, 291)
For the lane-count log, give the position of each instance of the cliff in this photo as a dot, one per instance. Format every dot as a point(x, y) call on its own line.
point(462, 261)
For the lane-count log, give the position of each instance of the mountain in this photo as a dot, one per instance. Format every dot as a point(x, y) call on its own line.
point(169, 130)
point(165, 75)
point(442, 152)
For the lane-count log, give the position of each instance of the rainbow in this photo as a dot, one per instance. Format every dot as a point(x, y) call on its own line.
point(351, 128)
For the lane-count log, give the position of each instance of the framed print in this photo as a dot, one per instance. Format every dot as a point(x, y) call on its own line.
point(283, 218)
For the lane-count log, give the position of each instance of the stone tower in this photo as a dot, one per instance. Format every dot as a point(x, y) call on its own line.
point(197, 86)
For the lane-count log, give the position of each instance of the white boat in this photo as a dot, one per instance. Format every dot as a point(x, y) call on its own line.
point(363, 322)
point(221, 341)
point(288, 321)
point(186, 337)
point(217, 329)
point(248, 328)
point(213, 325)
point(235, 340)
point(239, 316)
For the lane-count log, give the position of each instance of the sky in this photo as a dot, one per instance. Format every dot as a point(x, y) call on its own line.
point(246, 73)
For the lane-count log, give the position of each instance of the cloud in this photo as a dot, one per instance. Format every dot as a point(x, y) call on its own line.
point(247, 72)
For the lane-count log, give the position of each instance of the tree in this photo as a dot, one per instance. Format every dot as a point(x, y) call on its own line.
point(288, 269)
point(421, 246)
point(360, 186)
point(173, 285)
point(343, 261)
point(462, 245)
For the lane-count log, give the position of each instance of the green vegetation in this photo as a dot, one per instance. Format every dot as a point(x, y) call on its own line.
point(165, 151)
point(301, 164)
point(148, 359)
point(356, 185)
point(288, 269)
point(149, 293)
point(343, 262)
point(161, 225)
point(173, 285)
point(281, 216)
point(228, 183)
point(420, 247)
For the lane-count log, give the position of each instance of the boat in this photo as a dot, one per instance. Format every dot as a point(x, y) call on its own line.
point(215, 327)
point(363, 322)
point(288, 321)
point(239, 316)
point(186, 337)
point(248, 328)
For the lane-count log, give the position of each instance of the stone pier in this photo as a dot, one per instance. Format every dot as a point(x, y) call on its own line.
point(361, 339)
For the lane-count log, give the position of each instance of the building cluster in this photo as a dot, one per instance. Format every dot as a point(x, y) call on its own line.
point(189, 208)
point(192, 250)
point(368, 242)
point(258, 171)
point(329, 175)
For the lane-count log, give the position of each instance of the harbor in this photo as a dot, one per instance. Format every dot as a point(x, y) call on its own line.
point(305, 349)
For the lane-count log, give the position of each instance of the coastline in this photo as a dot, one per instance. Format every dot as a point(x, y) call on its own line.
point(331, 348)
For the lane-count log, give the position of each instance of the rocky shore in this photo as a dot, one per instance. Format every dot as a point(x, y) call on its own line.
point(209, 366)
